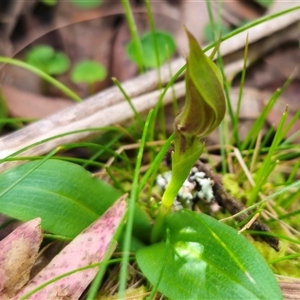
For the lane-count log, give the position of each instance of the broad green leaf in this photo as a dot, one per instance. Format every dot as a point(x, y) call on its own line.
point(166, 48)
point(207, 260)
point(64, 195)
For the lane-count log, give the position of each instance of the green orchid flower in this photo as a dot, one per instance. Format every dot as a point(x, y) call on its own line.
point(203, 111)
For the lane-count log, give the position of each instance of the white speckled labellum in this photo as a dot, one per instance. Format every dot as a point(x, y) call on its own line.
point(87, 248)
point(18, 252)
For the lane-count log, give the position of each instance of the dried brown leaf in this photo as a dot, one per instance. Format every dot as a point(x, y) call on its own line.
point(18, 252)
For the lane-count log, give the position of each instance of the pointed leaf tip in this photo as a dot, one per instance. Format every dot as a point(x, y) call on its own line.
point(205, 104)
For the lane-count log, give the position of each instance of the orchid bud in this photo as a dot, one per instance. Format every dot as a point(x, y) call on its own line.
point(203, 111)
point(205, 105)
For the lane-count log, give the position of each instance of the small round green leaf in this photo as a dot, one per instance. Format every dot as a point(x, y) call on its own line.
point(88, 71)
point(87, 3)
point(206, 259)
point(45, 58)
point(166, 48)
point(49, 2)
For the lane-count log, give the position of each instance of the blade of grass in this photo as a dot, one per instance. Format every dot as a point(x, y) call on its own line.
point(131, 206)
point(50, 154)
point(101, 151)
point(288, 215)
point(267, 138)
point(293, 185)
point(16, 120)
point(96, 146)
point(155, 44)
point(159, 103)
point(255, 155)
point(211, 18)
point(258, 124)
point(294, 171)
point(135, 112)
point(241, 89)
point(65, 275)
point(80, 161)
point(43, 75)
point(94, 288)
point(290, 125)
point(99, 129)
point(292, 137)
point(277, 235)
point(155, 163)
point(134, 33)
point(283, 258)
point(116, 182)
point(267, 165)
point(286, 201)
point(224, 128)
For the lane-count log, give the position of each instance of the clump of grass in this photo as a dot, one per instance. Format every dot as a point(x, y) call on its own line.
point(269, 191)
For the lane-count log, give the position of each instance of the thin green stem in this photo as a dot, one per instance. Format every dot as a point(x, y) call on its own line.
point(267, 165)
point(156, 163)
point(157, 230)
point(134, 34)
point(26, 296)
point(155, 44)
point(241, 89)
point(131, 208)
point(43, 75)
point(135, 112)
point(106, 261)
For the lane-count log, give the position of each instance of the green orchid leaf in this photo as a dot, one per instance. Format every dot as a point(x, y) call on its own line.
point(206, 259)
point(64, 195)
